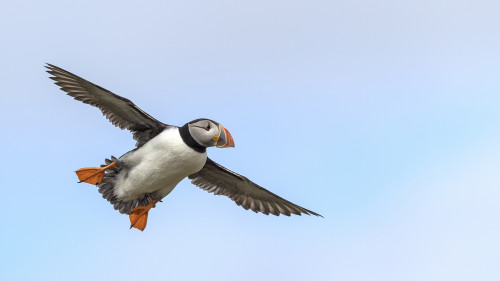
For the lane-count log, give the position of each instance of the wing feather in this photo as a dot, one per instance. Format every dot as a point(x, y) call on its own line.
point(218, 180)
point(120, 111)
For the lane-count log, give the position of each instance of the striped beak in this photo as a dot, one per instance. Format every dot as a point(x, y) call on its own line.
point(224, 139)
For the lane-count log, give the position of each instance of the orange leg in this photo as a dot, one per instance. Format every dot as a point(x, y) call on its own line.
point(93, 175)
point(139, 215)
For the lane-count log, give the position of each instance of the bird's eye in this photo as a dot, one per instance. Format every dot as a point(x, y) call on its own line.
point(207, 127)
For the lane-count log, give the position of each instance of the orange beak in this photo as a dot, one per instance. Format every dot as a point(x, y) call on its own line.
point(225, 139)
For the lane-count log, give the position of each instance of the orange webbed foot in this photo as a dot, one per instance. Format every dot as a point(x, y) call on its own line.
point(139, 216)
point(93, 175)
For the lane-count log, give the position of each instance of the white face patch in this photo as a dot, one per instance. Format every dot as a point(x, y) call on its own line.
point(204, 131)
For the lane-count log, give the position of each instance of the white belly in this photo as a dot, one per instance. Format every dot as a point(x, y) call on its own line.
point(159, 165)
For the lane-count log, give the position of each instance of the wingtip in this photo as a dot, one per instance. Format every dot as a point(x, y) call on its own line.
point(50, 68)
point(309, 213)
point(316, 214)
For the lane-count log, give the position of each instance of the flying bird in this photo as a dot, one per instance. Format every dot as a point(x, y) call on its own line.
point(164, 155)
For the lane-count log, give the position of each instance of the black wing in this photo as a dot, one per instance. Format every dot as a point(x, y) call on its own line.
point(220, 181)
point(120, 111)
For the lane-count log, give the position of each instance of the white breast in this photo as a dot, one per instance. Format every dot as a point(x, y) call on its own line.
point(159, 165)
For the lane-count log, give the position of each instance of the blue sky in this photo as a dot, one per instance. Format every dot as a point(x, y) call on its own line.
point(380, 115)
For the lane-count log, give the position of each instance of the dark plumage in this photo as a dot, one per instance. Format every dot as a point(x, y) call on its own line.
point(218, 180)
point(120, 111)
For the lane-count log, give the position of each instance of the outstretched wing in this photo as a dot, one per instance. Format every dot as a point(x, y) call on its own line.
point(218, 180)
point(120, 111)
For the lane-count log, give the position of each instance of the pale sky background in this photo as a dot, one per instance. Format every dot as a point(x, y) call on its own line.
point(383, 116)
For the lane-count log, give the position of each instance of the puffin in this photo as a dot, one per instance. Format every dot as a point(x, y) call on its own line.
point(164, 155)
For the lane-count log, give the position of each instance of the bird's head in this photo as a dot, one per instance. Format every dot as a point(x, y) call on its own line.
point(209, 133)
